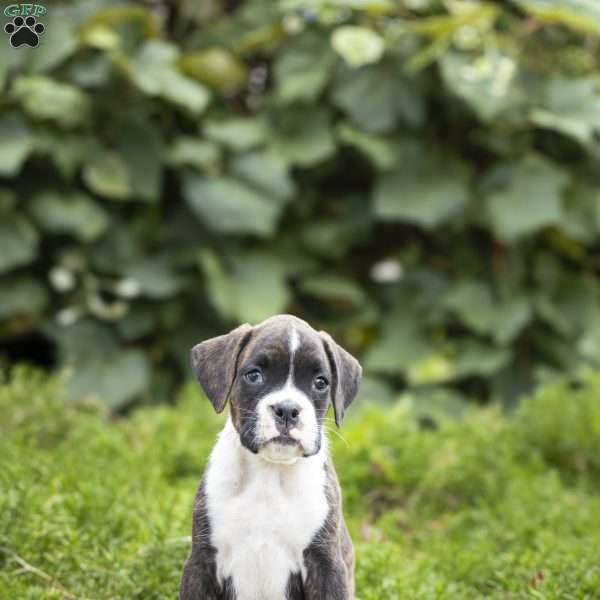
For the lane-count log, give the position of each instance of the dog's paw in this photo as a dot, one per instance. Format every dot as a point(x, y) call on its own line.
point(24, 32)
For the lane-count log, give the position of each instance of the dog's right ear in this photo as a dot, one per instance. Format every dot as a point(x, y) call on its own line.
point(346, 372)
point(214, 362)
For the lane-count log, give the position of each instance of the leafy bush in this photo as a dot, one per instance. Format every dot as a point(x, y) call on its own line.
point(418, 177)
point(486, 507)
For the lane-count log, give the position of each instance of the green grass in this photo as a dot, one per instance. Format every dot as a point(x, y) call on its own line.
point(489, 507)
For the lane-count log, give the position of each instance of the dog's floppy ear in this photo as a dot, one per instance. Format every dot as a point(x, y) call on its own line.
point(214, 362)
point(346, 374)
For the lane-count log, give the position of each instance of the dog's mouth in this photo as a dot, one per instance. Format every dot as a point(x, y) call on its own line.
point(284, 440)
point(282, 449)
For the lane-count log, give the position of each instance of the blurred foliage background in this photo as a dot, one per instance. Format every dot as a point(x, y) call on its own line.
point(419, 177)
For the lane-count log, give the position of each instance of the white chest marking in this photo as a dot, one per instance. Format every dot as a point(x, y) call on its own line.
point(262, 515)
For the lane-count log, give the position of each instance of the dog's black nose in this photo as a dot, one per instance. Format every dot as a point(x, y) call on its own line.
point(286, 413)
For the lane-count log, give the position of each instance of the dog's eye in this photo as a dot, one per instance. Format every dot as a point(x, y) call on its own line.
point(254, 376)
point(321, 383)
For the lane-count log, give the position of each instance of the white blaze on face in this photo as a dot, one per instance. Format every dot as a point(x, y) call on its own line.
point(294, 345)
point(306, 431)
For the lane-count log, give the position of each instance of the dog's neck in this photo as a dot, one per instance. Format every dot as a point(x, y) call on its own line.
point(237, 465)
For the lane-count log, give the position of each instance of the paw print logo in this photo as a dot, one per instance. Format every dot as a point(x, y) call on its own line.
point(24, 31)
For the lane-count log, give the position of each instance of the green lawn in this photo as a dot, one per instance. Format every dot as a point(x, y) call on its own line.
point(489, 507)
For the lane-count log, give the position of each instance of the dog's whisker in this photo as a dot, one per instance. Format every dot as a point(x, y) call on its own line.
point(330, 430)
point(328, 420)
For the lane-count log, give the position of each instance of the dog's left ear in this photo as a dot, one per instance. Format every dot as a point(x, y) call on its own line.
point(214, 362)
point(346, 374)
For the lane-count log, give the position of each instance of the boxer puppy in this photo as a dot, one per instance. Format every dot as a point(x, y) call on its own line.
point(267, 522)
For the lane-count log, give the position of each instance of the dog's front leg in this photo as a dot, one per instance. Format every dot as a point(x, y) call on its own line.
point(326, 573)
point(200, 583)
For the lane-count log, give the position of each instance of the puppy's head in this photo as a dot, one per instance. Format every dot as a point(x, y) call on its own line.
point(280, 377)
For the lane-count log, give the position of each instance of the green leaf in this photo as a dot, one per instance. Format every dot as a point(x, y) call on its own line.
point(8, 199)
point(478, 359)
point(527, 198)
point(572, 107)
point(138, 21)
point(97, 367)
point(426, 191)
point(384, 153)
point(262, 288)
point(151, 61)
point(154, 70)
point(220, 284)
point(92, 71)
point(239, 133)
point(303, 68)
point(45, 99)
point(565, 245)
point(473, 303)
point(184, 91)
point(74, 213)
point(82, 340)
point(217, 68)
point(567, 300)
point(333, 288)
point(511, 316)
point(22, 296)
point(358, 46)
point(374, 390)
point(228, 206)
point(140, 147)
point(10, 61)
point(101, 37)
point(582, 15)
point(377, 97)
point(486, 83)
point(68, 151)
point(138, 323)
point(194, 152)
point(401, 344)
point(588, 344)
point(332, 238)
point(266, 172)
point(550, 313)
point(155, 277)
point(120, 245)
point(304, 137)
point(360, 6)
point(435, 404)
point(432, 369)
point(582, 212)
point(16, 143)
point(252, 290)
point(59, 41)
point(116, 378)
point(107, 175)
point(18, 243)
